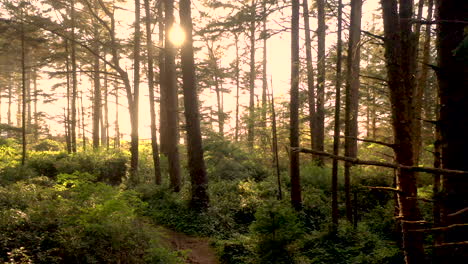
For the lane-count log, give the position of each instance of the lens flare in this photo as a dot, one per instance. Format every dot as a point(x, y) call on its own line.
point(177, 35)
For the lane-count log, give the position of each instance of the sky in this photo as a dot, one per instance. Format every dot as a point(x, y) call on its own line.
point(278, 71)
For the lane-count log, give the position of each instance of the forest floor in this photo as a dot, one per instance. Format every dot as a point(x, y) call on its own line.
point(197, 249)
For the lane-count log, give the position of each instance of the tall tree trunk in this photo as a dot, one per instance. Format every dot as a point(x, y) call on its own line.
point(97, 90)
point(237, 69)
point(352, 97)
point(135, 102)
point(196, 164)
point(296, 199)
point(264, 68)
point(74, 77)
point(23, 94)
point(10, 99)
point(320, 114)
point(252, 77)
point(67, 117)
point(172, 100)
point(154, 139)
point(400, 63)
point(310, 74)
point(336, 135)
point(452, 77)
point(218, 88)
point(163, 130)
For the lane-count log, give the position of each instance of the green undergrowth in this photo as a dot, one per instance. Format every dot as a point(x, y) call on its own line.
point(76, 220)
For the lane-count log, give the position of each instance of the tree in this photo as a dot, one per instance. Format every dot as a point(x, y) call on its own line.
point(150, 61)
point(452, 75)
point(400, 64)
point(310, 74)
point(296, 199)
point(196, 163)
point(172, 101)
point(352, 96)
point(252, 77)
point(336, 135)
point(320, 113)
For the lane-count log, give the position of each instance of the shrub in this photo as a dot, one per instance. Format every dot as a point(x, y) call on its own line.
point(275, 229)
point(48, 145)
point(83, 223)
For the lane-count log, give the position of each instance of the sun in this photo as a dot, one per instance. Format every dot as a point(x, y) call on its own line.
point(177, 35)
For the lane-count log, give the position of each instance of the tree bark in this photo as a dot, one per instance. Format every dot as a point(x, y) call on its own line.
point(74, 78)
point(237, 69)
point(400, 64)
point(252, 77)
point(352, 96)
point(452, 77)
point(172, 100)
point(23, 94)
point(320, 113)
point(150, 61)
point(97, 90)
point(133, 107)
point(296, 198)
point(163, 130)
point(310, 74)
point(336, 135)
point(196, 163)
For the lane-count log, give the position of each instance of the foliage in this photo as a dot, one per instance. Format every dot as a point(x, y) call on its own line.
point(48, 145)
point(78, 222)
point(275, 229)
point(349, 245)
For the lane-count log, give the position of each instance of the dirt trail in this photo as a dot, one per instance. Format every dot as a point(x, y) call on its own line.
point(199, 249)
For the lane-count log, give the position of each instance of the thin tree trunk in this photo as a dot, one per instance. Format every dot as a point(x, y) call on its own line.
point(74, 77)
point(67, 117)
point(163, 132)
point(252, 77)
point(196, 164)
point(172, 101)
point(320, 114)
point(154, 139)
point(352, 97)
point(336, 135)
point(135, 98)
point(400, 62)
point(310, 74)
point(264, 68)
point(296, 199)
point(237, 69)
point(23, 86)
point(97, 91)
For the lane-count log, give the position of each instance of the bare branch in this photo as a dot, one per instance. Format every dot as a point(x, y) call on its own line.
point(382, 164)
point(390, 145)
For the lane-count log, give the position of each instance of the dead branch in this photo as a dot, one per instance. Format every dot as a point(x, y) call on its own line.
point(443, 228)
point(458, 212)
point(462, 243)
point(382, 164)
point(390, 145)
point(391, 189)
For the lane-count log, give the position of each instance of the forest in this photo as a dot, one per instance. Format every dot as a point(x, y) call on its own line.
point(249, 131)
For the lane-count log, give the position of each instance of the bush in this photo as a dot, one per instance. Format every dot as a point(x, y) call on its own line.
point(82, 222)
point(274, 231)
point(348, 246)
point(48, 145)
point(10, 175)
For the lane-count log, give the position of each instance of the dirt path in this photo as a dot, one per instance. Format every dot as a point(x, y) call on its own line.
point(199, 249)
